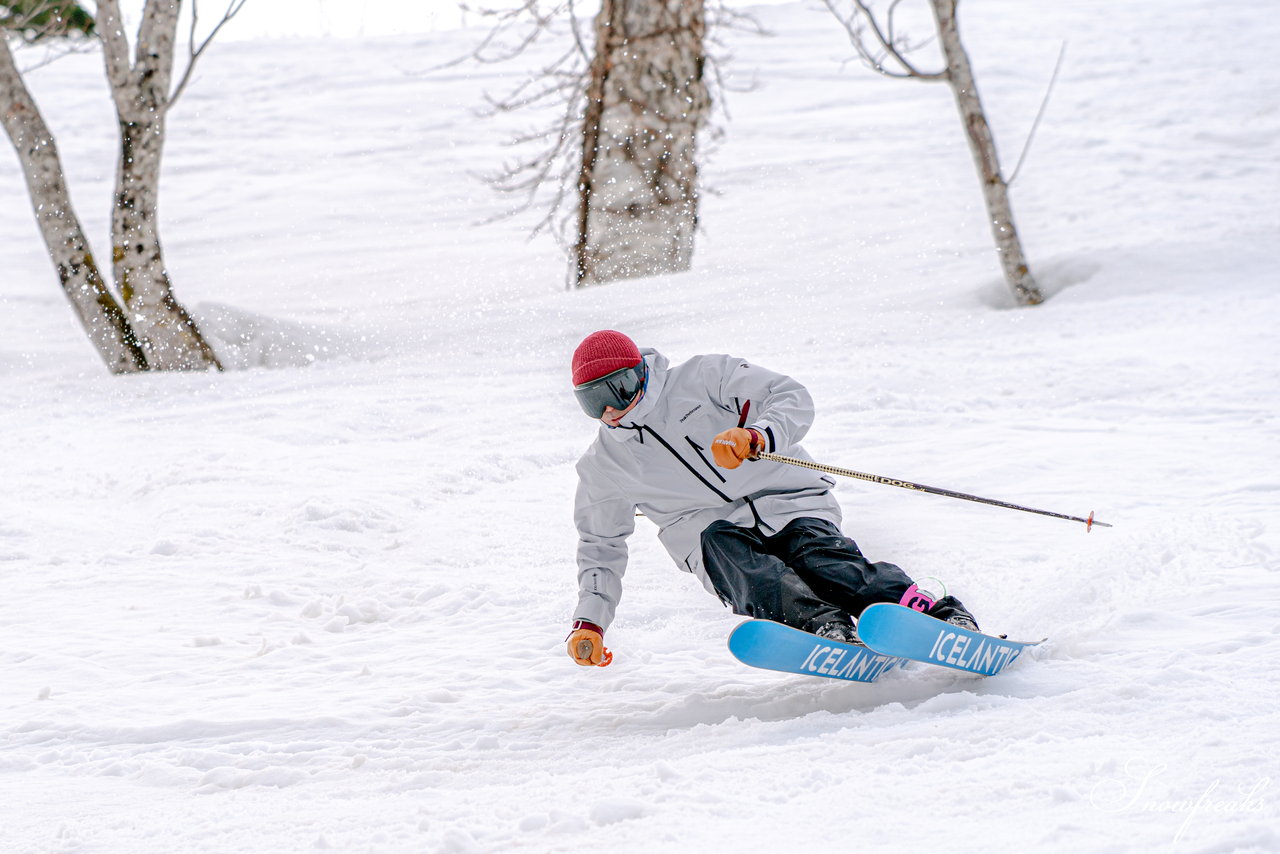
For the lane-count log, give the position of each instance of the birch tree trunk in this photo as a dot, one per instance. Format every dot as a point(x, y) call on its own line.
point(101, 316)
point(140, 90)
point(646, 100)
point(995, 191)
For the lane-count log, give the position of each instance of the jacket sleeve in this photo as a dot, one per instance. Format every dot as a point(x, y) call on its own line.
point(781, 408)
point(605, 518)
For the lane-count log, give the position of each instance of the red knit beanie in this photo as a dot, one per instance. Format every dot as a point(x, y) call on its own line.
point(601, 353)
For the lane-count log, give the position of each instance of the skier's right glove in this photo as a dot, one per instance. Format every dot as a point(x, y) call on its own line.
point(586, 645)
point(730, 447)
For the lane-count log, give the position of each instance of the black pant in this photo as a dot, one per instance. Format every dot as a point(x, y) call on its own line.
point(805, 575)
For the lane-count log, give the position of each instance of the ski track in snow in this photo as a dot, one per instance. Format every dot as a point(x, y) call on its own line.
point(319, 603)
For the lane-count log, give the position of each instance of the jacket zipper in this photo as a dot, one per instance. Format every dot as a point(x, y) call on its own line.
point(698, 449)
point(693, 471)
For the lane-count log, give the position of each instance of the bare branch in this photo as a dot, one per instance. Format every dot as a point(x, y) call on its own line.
point(56, 51)
point(578, 42)
point(891, 47)
point(721, 17)
point(1053, 78)
point(233, 9)
point(512, 179)
point(893, 8)
point(549, 169)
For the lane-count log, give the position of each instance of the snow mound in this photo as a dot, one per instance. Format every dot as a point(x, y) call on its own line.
point(244, 339)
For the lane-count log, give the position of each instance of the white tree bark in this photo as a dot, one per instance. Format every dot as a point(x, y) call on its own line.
point(646, 100)
point(140, 91)
point(101, 316)
point(995, 191)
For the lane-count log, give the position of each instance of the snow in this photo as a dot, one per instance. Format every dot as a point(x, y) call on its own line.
point(318, 602)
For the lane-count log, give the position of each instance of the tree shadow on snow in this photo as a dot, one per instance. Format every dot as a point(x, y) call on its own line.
point(1053, 276)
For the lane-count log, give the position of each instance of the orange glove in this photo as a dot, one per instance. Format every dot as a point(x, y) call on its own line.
point(586, 645)
point(733, 446)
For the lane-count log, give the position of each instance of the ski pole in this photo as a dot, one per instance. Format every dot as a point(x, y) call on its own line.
point(932, 490)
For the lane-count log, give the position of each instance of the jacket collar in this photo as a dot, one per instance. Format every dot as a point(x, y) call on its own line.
point(630, 426)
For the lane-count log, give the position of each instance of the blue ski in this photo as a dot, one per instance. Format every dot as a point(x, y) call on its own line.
point(773, 646)
point(898, 631)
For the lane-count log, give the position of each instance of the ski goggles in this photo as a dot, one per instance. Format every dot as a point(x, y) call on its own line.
point(618, 389)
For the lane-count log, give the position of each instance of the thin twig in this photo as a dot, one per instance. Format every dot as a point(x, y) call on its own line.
point(1044, 102)
point(862, 19)
point(233, 8)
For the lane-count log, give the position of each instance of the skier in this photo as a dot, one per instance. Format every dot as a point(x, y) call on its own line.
point(764, 537)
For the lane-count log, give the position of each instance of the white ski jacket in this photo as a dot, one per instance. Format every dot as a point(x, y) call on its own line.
point(659, 461)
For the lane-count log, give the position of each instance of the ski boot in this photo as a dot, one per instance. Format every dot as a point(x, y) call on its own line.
point(950, 610)
point(930, 596)
point(838, 630)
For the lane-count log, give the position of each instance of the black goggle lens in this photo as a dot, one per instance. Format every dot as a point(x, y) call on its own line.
point(617, 389)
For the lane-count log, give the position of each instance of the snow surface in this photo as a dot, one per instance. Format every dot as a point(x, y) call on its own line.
point(319, 603)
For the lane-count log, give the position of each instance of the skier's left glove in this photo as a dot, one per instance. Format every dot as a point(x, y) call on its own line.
point(586, 645)
point(733, 446)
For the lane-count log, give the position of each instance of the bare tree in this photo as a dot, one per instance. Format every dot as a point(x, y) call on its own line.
point(646, 100)
point(623, 143)
point(882, 48)
point(140, 90)
point(99, 312)
point(148, 329)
